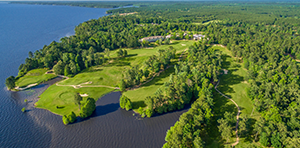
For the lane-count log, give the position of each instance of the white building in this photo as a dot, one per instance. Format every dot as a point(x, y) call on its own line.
point(152, 38)
point(198, 36)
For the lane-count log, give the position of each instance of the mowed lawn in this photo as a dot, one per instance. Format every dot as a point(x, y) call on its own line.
point(34, 76)
point(138, 96)
point(59, 99)
point(234, 86)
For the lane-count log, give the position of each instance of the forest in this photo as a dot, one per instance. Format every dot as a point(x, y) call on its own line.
point(262, 39)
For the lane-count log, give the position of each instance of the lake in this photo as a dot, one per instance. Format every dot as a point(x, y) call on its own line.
point(25, 28)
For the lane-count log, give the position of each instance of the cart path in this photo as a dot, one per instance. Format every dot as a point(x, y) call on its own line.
point(237, 116)
point(81, 85)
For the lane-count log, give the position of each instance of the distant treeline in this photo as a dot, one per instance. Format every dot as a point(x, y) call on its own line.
point(82, 4)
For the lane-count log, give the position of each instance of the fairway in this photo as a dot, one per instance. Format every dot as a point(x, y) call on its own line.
point(98, 80)
point(234, 86)
point(138, 96)
point(34, 76)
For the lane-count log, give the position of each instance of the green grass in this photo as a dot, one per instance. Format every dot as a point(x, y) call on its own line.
point(111, 74)
point(233, 85)
point(138, 96)
point(34, 76)
point(59, 99)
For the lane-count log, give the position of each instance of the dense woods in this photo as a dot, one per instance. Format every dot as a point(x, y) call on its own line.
point(191, 78)
point(264, 37)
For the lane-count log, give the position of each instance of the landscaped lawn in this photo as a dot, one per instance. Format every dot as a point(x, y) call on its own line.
point(34, 76)
point(59, 99)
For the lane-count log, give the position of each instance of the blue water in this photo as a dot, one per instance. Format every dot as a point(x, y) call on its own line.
point(25, 28)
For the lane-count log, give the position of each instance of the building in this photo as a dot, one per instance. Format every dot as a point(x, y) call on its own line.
point(152, 38)
point(198, 36)
point(168, 36)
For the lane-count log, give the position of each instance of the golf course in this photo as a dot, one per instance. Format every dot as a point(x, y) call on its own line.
point(99, 80)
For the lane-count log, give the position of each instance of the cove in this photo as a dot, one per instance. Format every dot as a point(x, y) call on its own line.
point(27, 28)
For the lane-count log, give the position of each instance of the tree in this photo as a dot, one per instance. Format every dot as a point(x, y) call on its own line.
point(30, 54)
point(65, 120)
point(123, 100)
point(87, 108)
point(77, 99)
point(258, 126)
point(160, 41)
point(120, 52)
point(128, 105)
point(275, 140)
point(107, 52)
point(71, 117)
point(187, 37)
point(243, 125)
point(246, 63)
point(73, 68)
point(10, 82)
point(59, 68)
point(140, 110)
point(149, 112)
point(122, 85)
point(125, 53)
point(167, 41)
point(67, 70)
point(224, 129)
point(264, 140)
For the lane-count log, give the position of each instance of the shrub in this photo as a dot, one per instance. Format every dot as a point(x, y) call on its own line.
point(25, 100)
point(23, 109)
point(149, 112)
point(140, 110)
point(65, 120)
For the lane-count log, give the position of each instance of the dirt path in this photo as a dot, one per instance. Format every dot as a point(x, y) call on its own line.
point(28, 86)
point(157, 74)
point(237, 116)
point(81, 85)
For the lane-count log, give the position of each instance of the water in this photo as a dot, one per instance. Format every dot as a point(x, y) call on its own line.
point(25, 28)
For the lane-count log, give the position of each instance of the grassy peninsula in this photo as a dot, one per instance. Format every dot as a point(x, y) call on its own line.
point(34, 76)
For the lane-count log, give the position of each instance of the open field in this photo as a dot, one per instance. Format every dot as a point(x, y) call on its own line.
point(34, 76)
point(59, 99)
point(232, 85)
